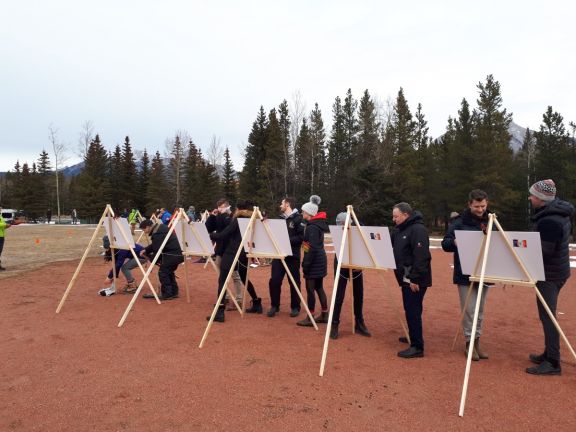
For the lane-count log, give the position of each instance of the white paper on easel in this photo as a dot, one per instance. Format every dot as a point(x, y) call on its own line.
point(191, 244)
point(261, 242)
point(379, 240)
point(501, 263)
point(116, 238)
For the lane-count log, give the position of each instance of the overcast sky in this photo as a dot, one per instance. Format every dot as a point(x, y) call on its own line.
point(149, 68)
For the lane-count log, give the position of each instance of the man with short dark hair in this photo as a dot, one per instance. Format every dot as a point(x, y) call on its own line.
point(552, 219)
point(413, 271)
point(169, 261)
point(289, 212)
point(474, 218)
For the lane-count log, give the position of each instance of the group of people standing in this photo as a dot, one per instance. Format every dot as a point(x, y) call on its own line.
point(410, 242)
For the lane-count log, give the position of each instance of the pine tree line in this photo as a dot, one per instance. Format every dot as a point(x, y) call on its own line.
point(371, 157)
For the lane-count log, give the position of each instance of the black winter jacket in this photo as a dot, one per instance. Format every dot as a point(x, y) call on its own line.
point(553, 222)
point(295, 232)
point(315, 264)
point(231, 235)
point(217, 224)
point(172, 253)
point(465, 222)
point(412, 251)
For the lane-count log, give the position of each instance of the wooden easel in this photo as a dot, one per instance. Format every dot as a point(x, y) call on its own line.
point(204, 216)
point(347, 224)
point(528, 281)
point(249, 234)
point(152, 264)
point(108, 213)
point(182, 220)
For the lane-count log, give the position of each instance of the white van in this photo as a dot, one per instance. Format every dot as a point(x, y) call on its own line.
point(9, 215)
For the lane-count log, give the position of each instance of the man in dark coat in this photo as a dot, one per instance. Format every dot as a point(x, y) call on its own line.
point(413, 271)
point(296, 234)
point(552, 219)
point(474, 218)
point(169, 261)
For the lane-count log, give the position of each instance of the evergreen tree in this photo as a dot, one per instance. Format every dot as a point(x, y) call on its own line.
point(36, 200)
point(272, 171)
point(303, 158)
point(128, 176)
point(318, 174)
point(552, 150)
point(115, 179)
point(251, 182)
point(228, 178)
point(209, 183)
point(142, 183)
point(156, 194)
point(45, 184)
point(284, 124)
point(193, 185)
point(176, 171)
point(93, 187)
point(368, 127)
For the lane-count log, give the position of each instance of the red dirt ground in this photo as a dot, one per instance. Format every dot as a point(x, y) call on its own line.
point(76, 371)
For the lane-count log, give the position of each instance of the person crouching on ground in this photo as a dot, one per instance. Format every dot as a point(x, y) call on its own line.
point(314, 264)
point(357, 290)
point(169, 261)
point(232, 238)
point(413, 270)
point(125, 263)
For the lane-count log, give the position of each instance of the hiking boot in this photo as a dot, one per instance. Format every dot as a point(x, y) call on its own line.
point(322, 318)
point(545, 368)
point(481, 354)
point(537, 358)
point(272, 312)
point(294, 312)
point(334, 331)
point(475, 356)
point(361, 328)
point(130, 288)
point(305, 322)
point(256, 306)
point(219, 317)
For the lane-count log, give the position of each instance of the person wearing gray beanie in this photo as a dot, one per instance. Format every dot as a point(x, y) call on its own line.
point(552, 219)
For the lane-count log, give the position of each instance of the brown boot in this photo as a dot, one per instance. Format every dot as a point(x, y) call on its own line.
point(474, 353)
point(481, 354)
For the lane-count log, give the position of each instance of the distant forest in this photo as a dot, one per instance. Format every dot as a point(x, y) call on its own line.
point(372, 156)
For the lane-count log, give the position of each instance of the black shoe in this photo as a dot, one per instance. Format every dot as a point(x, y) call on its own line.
point(219, 317)
point(537, 358)
point(160, 297)
point(361, 328)
point(272, 312)
point(322, 318)
point(411, 352)
point(403, 339)
point(545, 368)
point(305, 322)
point(2, 268)
point(256, 306)
point(334, 331)
point(294, 312)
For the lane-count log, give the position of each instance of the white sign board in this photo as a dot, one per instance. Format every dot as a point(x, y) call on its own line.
point(193, 238)
point(261, 242)
point(501, 263)
point(377, 237)
point(116, 238)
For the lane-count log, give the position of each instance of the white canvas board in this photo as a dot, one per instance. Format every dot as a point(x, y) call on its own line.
point(116, 238)
point(261, 243)
point(377, 237)
point(501, 263)
point(191, 244)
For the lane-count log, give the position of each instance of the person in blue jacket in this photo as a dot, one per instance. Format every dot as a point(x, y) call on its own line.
point(125, 263)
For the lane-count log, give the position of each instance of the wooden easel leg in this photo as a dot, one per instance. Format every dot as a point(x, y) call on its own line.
point(462, 315)
point(81, 263)
point(553, 318)
point(215, 310)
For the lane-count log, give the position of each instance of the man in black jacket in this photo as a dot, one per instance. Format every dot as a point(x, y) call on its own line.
point(413, 271)
point(552, 219)
point(474, 218)
point(169, 261)
point(296, 234)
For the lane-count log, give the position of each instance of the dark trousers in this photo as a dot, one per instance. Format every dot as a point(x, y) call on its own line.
point(316, 286)
point(1, 245)
point(357, 290)
point(413, 309)
point(167, 278)
point(550, 291)
point(277, 276)
point(241, 267)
